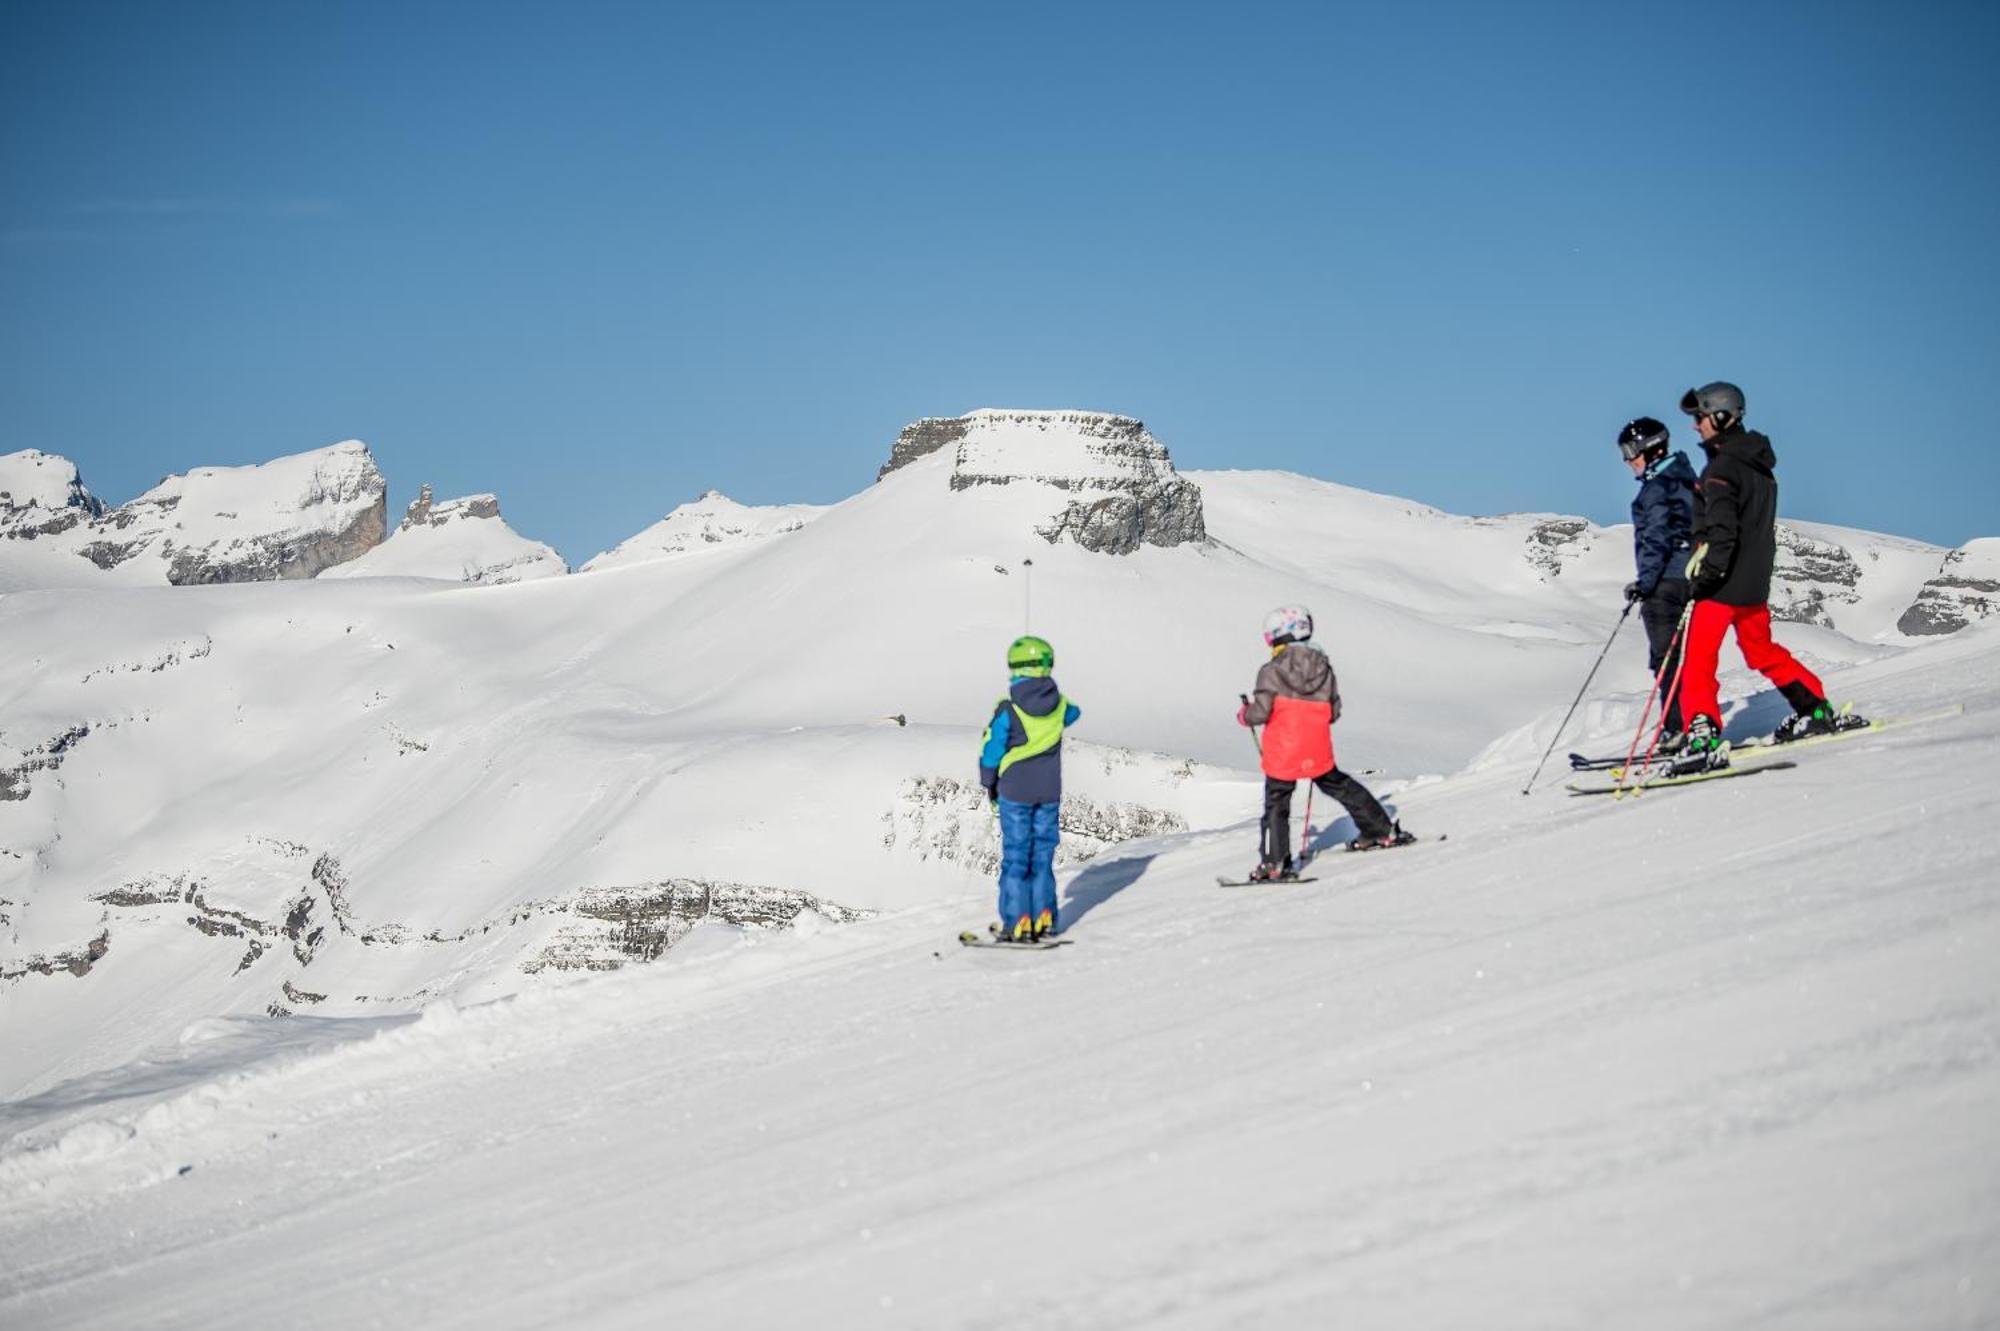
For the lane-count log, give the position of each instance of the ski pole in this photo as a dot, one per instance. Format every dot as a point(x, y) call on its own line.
point(1677, 653)
point(1253, 729)
point(1306, 835)
point(1623, 615)
point(1673, 688)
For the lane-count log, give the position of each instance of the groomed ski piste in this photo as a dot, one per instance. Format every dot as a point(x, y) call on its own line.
point(1725, 1056)
point(304, 888)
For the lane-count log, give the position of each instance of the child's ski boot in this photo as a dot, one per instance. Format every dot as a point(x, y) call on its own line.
point(1022, 932)
point(1396, 837)
point(1270, 871)
point(1045, 925)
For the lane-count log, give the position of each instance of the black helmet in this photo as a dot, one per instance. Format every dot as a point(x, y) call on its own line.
point(1720, 400)
point(1643, 438)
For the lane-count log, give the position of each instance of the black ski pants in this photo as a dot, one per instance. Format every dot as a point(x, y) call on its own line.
point(1370, 818)
point(1661, 614)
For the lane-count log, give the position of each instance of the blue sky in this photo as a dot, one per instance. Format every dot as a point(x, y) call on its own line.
point(600, 257)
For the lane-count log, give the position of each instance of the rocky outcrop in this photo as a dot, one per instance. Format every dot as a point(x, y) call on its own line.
point(42, 495)
point(596, 928)
point(44, 757)
point(922, 438)
point(1125, 492)
point(945, 819)
point(289, 518)
point(1965, 591)
point(461, 540)
point(1811, 577)
point(617, 926)
point(1553, 542)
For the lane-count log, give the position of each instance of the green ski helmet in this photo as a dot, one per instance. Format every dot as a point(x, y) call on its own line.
point(1031, 656)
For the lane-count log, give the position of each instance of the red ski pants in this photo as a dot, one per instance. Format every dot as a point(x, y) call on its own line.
point(1711, 619)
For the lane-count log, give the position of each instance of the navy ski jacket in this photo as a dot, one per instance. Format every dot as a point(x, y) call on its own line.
point(1036, 780)
point(1662, 520)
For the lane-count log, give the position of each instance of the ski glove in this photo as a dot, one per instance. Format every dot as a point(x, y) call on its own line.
point(1706, 584)
point(1632, 592)
point(992, 793)
point(1243, 715)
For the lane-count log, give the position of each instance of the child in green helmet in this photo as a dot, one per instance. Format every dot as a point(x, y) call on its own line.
point(1020, 765)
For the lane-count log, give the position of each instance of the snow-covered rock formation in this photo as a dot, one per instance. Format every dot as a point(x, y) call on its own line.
point(464, 540)
point(712, 522)
point(288, 518)
point(1124, 492)
point(42, 494)
point(1965, 589)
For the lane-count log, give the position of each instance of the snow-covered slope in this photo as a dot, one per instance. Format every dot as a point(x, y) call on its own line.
point(712, 522)
point(348, 795)
point(1724, 1056)
point(461, 540)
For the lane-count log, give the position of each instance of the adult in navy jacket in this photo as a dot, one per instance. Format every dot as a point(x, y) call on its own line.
point(1662, 520)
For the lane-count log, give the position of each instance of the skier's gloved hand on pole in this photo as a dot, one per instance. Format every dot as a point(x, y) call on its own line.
point(1705, 578)
point(992, 793)
point(1633, 592)
point(1243, 715)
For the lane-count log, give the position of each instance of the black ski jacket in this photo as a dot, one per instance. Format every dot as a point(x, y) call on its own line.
point(1736, 514)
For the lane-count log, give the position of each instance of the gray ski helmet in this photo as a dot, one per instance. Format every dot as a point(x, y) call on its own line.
point(1644, 437)
point(1721, 400)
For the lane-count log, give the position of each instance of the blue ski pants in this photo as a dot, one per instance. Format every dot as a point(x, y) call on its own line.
point(1028, 837)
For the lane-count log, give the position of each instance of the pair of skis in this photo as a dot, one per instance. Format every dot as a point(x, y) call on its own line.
point(1747, 759)
point(1405, 839)
point(994, 941)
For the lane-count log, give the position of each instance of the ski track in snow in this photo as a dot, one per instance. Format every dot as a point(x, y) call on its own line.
point(1721, 1057)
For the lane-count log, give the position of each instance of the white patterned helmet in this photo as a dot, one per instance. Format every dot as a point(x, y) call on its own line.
point(1288, 623)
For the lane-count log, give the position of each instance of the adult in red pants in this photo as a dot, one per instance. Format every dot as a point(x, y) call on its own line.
point(1729, 580)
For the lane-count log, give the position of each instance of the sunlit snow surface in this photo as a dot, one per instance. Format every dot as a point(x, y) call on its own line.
point(1724, 1056)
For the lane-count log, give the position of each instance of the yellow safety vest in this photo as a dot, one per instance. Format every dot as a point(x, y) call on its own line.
point(1043, 732)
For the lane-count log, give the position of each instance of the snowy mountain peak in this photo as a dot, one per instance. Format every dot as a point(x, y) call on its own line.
point(1966, 589)
point(1128, 494)
point(288, 518)
point(711, 522)
point(459, 540)
point(32, 479)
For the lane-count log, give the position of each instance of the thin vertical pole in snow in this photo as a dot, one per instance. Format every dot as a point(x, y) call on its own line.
point(1623, 615)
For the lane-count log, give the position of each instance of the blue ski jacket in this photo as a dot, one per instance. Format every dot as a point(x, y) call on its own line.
point(1662, 520)
point(1033, 780)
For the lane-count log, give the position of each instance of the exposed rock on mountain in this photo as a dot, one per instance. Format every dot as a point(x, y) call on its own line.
point(1811, 577)
point(947, 819)
point(1965, 590)
point(616, 926)
point(1555, 541)
point(464, 540)
point(42, 494)
point(1127, 492)
point(289, 518)
point(711, 522)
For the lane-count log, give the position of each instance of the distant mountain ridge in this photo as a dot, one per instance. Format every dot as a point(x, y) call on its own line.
point(1112, 490)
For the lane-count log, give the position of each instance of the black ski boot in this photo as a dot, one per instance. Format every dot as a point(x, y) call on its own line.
point(1705, 750)
point(1395, 837)
point(1812, 715)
